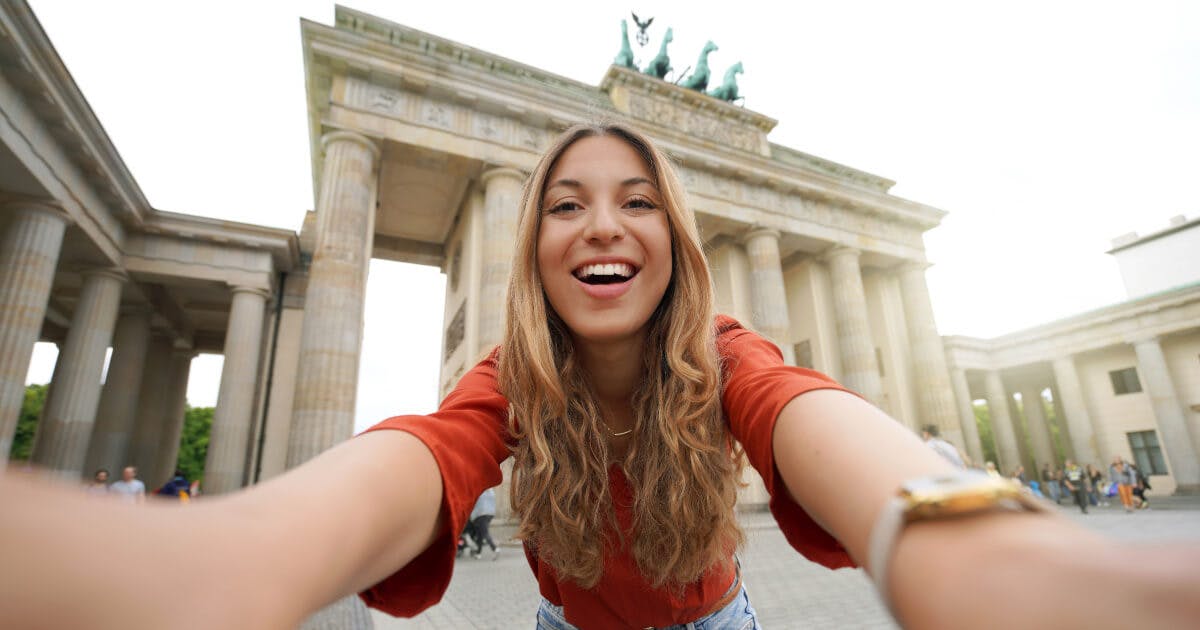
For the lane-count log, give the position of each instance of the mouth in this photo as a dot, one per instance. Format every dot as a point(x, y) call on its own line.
point(599, 274)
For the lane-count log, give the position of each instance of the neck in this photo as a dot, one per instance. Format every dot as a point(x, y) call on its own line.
point(615, 370)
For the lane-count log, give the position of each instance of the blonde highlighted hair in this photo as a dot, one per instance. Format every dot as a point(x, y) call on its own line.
point(682, 467)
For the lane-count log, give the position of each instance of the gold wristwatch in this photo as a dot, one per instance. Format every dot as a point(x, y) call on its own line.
point(938, 497)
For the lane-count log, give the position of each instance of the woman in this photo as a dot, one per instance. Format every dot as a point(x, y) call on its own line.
point(626, 399)
point(1123, 476)
point(1096, 485)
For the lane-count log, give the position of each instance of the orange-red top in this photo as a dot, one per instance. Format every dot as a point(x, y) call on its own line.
point(468, 438)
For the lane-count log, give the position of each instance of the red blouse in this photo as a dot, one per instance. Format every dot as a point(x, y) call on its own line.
point(468, 438)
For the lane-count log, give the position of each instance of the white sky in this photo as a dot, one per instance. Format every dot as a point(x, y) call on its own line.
point(1045, 129)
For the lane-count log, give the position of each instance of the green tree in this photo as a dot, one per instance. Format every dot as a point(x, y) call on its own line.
point(193, 446)
point(31, 410)
point(984, 422)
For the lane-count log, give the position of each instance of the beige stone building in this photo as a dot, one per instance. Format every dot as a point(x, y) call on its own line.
point(420, 146)
point(1124, 380)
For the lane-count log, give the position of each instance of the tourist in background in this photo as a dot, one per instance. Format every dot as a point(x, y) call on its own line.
point(1076, 480)
point(129, 488)
point(481, 519)
point(99, 483)
point(1120, 474)
point(950, 452)
point(1141, 484)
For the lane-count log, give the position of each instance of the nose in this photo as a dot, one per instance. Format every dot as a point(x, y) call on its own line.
point(604, 224)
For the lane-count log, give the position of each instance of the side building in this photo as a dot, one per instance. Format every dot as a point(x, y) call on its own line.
point(1123, 380)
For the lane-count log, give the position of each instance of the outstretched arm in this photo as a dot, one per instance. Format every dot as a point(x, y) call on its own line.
point(262, 558)
point(843, 459)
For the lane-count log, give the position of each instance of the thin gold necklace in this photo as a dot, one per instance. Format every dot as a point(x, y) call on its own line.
point(615, 434)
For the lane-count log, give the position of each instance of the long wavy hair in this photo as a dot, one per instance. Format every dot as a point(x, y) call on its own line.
point(683, 467)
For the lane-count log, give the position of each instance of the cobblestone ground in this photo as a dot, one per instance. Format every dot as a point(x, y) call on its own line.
point(787, 591)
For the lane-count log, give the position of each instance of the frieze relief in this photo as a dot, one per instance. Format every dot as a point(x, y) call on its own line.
point(694, 123)
point(422, 110)
point(766, 197)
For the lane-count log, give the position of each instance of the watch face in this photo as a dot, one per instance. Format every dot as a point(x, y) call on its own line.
point(960, 492)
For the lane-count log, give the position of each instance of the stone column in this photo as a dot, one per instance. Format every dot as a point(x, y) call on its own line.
point(1039, 430)
point(931, 378)
point(70, 411)
point(1002, 424)
point(860, 369)
point(966, 415)
point(224, 467)
point(501, 198)
point(175, 407)
point(768, 295)
point(29, 252)
point(331, 336)
point(1182, 445)
point(118, 400)
point(151, 410)
point(1079, 421)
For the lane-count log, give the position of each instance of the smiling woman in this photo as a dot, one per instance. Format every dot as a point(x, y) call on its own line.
point(628, 409)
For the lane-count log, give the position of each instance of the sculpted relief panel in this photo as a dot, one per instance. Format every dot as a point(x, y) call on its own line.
point(439, 114)
point(693, 123)
point(765, 197)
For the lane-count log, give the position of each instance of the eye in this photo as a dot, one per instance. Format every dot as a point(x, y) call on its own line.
point(640, 203)
point(563, 206)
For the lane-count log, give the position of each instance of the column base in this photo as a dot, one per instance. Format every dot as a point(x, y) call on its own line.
point(1186, 490)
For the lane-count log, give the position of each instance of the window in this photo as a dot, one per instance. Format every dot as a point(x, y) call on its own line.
point(1146, 453)
point(1125, 381)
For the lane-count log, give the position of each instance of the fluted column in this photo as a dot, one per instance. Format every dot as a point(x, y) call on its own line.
point(331, 337)
point(224, 467)
point(1182, 445)
point(175, 407)
point(501, 198)
point(70, 411)
point(930, 377)
point(860, 369)
point(143, 449)
point(29, 252)
point(966, 415)
point(1002, 423)
point(767, 292)
point(1039, 430)
point(1079, 421)
point(115, 416)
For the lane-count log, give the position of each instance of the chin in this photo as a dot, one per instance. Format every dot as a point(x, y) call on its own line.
point(606, 330)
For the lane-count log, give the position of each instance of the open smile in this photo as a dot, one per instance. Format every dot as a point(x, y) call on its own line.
point(605, 279)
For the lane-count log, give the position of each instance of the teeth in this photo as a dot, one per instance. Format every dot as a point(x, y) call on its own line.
point(615, 269)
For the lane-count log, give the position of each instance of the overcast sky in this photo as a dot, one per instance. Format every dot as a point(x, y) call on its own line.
point(1044, 129)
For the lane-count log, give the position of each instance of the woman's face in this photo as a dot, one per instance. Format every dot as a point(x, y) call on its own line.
point(604, 244)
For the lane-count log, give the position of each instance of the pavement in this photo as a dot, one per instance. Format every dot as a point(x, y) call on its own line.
point(786, 590)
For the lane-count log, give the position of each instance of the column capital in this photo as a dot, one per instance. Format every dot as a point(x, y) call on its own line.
point(913, 266)
point(501, 171)
point(759, 231)
point(350, 136)
point(841, 251)
point(1142, 339)
point(35, 205)
point(116, 273)
point(263, 293)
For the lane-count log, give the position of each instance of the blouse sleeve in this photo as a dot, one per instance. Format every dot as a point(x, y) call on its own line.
point(468, 437)
point(757, 386)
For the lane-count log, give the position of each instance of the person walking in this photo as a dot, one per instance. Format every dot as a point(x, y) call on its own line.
point(481, 518)
point(1120, 474)
point(1076, 480)
point(1141, 485)
point(950, 452)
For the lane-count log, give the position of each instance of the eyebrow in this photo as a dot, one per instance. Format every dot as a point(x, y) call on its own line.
point(574, 183)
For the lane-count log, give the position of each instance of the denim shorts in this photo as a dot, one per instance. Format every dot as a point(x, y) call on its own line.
point(736, 615)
